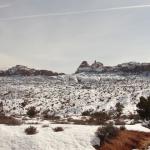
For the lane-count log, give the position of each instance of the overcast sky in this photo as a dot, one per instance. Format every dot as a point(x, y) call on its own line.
point(59, 34)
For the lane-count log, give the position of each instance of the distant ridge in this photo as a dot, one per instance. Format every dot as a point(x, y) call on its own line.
point(84, 67)
point(21, 70)
point(98, 67)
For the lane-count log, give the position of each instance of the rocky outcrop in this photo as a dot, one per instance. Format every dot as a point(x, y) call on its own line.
point(97, 65)
point(85, 67)
point(25, 71)
point(131, 67)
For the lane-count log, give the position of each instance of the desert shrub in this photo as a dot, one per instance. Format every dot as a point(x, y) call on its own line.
point(84, 121)
point(1, 108)
point(86, 113)
point(143, 108)
point(106, 133)
point(24, 103)
point(45, 113)
point(79, 121)
point(31, 112)
point(58, 129)
point(51, 117)
point(122, 128)
point(95, 118)
point(31, 130)
point(48, 116)
point(101, 117)
point(9, 120)
point(132, 116)
point(119, 109)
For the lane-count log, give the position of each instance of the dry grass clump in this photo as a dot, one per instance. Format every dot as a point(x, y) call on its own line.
point(9, 120)
point(58, 129)
point(30, 130)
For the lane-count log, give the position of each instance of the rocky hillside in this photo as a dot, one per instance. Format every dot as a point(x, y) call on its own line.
point(72, 94)
point(25, 71)
point(101, 89)
point(125, 68)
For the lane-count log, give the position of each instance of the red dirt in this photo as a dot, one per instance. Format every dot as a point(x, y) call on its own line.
point(128, 140)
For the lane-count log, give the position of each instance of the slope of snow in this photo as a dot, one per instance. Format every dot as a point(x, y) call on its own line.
point(74, 137)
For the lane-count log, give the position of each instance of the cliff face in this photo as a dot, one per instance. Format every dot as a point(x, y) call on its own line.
point(97, 67)
point(25, 71)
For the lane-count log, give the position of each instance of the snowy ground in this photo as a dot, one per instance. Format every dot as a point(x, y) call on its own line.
point(74, 137)
point(67, 95)
point(72, 94)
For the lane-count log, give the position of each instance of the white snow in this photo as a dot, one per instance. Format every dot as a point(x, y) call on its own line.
point(74, 137)
point(137, 127)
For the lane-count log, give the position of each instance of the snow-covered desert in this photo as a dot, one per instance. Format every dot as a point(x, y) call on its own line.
point(67, 110)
